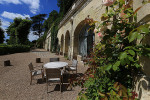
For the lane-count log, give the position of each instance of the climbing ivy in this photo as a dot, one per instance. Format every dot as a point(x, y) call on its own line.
point(53, 22)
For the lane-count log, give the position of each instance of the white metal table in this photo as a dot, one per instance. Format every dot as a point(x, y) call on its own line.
point(55, 65)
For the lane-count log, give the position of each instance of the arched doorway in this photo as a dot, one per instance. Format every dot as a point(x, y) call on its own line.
point(62, 43)
point(83, 40)
point(67, 43)
point(86, 40)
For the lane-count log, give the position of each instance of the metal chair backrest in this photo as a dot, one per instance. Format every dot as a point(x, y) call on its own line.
point(31, 66)
point(54, 59)
point(74, 63)
point(53, 73)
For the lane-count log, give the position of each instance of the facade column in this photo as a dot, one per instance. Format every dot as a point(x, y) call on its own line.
point(72, 45)
point(71, 39)
point(49, 43)
point(64, 47)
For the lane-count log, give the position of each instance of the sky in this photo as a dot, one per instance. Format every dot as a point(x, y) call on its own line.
point(9, 9)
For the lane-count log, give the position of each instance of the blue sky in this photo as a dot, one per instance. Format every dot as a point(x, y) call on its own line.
point(9, 9)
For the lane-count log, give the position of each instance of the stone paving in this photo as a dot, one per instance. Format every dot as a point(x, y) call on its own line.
point(15, 79)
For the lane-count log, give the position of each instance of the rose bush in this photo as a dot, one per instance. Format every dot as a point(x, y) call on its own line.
point(114, 62)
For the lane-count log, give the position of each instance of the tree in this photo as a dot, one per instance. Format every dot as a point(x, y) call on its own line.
point(37, 24)
point(1, 34)
point(53, 21)
point(18, 31)
point(64, 5)
point(50, 20)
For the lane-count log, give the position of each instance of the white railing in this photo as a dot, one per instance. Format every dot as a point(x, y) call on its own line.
point(78, 4)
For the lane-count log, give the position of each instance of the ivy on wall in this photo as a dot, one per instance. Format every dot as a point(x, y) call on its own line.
point(53, 21)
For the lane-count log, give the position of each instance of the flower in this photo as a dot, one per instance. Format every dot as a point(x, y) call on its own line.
point(108, 2)
point(91, 75)
point(95, 30)
point(100, 34)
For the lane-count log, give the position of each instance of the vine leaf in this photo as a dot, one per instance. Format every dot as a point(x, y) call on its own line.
point(143, 29)
point(137, 65)
point(139, 36)
point(108, 67)
point(131, 52)
point(148, 49)
point(123, 55)
point(115, 66)
point(130, 58)
point(83, 97)
point(121, 2)
point(133, 36)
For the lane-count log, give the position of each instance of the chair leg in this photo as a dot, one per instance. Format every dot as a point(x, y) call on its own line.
point(61, 82)
point(60, 87)
point(47, 87)
point(42, 76)
point(31, 80)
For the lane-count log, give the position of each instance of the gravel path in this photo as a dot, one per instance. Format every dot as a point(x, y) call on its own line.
point(15, 79)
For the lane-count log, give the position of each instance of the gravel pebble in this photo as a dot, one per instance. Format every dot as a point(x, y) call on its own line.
point(15, 79)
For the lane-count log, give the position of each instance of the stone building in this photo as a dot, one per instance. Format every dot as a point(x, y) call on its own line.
point(74, 38)
point(143, 82)
point(76, 41)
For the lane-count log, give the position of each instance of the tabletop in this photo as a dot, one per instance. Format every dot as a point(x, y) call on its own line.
point(55, 64)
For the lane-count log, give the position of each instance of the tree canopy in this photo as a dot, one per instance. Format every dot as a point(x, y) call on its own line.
point(19, 30)
point(1, 34)
point(64, 5)
point(37, 24)
point(52, 17)
point(53, 21)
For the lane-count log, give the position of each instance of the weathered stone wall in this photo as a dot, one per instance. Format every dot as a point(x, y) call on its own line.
point(94, 9)
point(143, 82)
point(48, 41)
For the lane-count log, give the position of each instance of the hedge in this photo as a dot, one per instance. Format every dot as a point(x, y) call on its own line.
point(10, 49)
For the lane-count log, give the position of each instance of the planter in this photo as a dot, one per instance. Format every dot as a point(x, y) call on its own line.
point(7, 63)
point(38, 60)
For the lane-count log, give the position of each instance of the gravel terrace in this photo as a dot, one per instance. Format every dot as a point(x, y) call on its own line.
point(15, 79)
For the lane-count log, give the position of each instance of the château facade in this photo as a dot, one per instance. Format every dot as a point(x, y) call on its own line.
point(76, 41)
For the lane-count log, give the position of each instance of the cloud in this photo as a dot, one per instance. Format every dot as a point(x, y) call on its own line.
point(34, 5)
point(32, 37)
point(4, 23)
point(4, 26)
point(11, 15)
point(10, 1)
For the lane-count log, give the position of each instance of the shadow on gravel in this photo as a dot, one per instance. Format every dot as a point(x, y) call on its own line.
point(66, 83)
point(39, 51)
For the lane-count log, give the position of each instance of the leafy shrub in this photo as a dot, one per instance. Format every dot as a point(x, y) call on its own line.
point(114, 62)
point(10, 49)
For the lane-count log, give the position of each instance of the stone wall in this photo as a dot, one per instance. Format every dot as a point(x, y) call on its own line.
point(94, 9)
point(91, 8)
point(48, 41)
point(142, 82)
